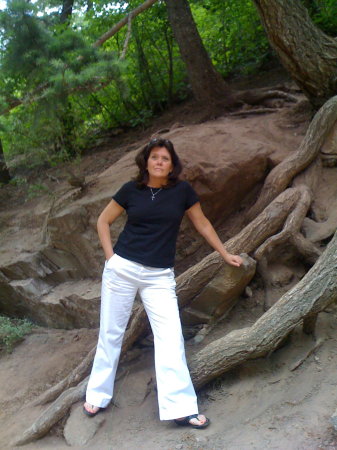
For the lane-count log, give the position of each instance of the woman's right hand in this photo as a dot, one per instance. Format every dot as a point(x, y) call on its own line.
point(108, 258)
point(106, 218)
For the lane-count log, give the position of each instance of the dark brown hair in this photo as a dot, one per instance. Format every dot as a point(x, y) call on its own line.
point(142, 157)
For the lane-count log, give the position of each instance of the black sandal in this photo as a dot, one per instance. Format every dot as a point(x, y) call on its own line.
point(186, 421)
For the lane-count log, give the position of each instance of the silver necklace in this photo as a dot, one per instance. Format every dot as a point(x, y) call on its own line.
point(154, 193)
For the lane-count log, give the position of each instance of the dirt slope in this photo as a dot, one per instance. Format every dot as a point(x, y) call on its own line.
point(263, 404)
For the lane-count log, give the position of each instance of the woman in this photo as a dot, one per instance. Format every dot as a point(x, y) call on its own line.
point(142, 260)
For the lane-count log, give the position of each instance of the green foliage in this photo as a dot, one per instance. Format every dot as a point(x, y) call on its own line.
point(12, 331)
point(324, 14)
point(37, 189)
point(233, 34)
point(71, 90)
point(45, 63)
point(18, 181)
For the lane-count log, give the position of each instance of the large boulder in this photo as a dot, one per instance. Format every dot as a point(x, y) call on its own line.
point(222, 169)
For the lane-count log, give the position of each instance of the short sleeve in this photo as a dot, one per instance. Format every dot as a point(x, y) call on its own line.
point(191, 196)
point(122, 195)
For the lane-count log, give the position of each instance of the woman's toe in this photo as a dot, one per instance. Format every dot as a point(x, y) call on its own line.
point(200, 420)
point(91, 408)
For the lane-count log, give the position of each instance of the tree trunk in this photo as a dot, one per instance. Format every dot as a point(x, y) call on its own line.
point(4, 172)
point(207, 84)
point(308, 54)
point(67, 10)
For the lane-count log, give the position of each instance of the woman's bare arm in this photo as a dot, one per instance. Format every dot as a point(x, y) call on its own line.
point(106, 218)
point(205, 228)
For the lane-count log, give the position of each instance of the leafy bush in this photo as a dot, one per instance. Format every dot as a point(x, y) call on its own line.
point(12, 331)
point(233, 35)
point(324, 14)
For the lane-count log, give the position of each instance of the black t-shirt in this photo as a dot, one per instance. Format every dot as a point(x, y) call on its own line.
point(150, 234)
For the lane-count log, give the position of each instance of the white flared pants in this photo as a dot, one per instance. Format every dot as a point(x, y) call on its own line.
point(121, 281)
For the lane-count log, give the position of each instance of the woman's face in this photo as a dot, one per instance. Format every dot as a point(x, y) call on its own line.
point(159, 164)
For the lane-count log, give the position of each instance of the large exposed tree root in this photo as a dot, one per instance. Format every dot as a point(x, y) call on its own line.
point(291, 232)
point(280, 177)
point(53, 414)
point(71, 380)
point(257, 96)
point(269, 222)
point(316, 290)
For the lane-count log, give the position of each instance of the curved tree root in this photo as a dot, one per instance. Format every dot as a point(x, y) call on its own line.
point(250, 112)
point(192, 281)
point(306, 183)
point(71, 380)
point(291, 232)
point(280, 177)
point(257, 96)
point(53, 414)
point(316, 290)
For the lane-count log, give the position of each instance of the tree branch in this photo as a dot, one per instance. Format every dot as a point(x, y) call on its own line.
point(123, 22)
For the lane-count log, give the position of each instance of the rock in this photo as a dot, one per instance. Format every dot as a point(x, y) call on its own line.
point(280, 275)
point(248, 292)
point(41, 286)
point(74, 304)
point(220, 294)
point(317, 231)
point(79, 429)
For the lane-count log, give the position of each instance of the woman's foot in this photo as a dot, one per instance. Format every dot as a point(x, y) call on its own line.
point(195, 421)
point(91, 410)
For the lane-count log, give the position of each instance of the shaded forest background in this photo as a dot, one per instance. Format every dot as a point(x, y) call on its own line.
point(61, 90)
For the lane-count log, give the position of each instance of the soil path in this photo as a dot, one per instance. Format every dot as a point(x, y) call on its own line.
point(264, 404)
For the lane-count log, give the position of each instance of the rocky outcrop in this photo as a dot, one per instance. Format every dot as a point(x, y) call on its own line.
point(27, 284)
point(51, 274)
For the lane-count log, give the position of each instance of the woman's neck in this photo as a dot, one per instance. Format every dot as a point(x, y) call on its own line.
point(156, 183)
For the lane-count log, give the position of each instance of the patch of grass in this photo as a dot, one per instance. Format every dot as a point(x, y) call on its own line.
point(12, 331)
point(37, 189)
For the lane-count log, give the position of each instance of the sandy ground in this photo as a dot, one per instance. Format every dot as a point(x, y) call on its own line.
point(283, 401)
point(263, 404)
